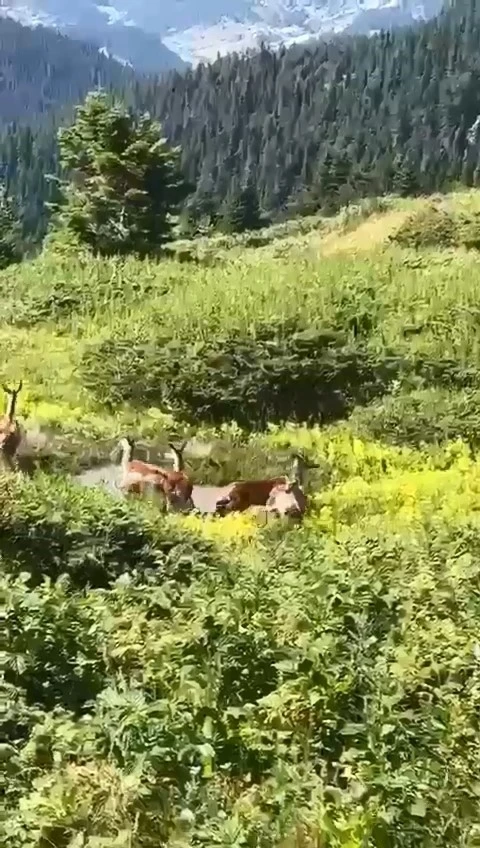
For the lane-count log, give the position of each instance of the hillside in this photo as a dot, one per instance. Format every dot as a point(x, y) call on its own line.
point(138, 30)
point(319, 126)
point(346, 287)
point(309, 129)
point(213, 681)
point(41, 71)
point(43, 74)
point(102, 25)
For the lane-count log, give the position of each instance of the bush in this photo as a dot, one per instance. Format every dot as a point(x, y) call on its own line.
point(283, 373)
point(469, 231)
point(49, 527)
point(431, 226)
point(53, 647)
point(348, 673)
point(428, 416)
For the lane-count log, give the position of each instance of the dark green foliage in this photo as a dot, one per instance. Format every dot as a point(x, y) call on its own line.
point(31, 155)
point(406, 180)
point(469, 231)
point(51, 528)
point(429, 227)
point(362, 116)
point(434, 226)
point(43, 638)
point(62, 300)
point(125, 180)
point(422, 417)
point(243, 211)
point(43, 75)
point(43, 72)
point(447, 373)
point(10, 232)
point(285, 372)
point(321, 697)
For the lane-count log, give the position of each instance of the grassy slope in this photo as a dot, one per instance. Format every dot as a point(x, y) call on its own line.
point(317, 270)
point(305, 689)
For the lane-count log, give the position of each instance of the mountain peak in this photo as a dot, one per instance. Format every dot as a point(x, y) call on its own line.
point(154, 36)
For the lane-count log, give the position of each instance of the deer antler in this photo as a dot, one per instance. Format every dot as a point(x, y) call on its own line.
point(16, 391)
point(178, 455)
point(179, 448)
point(300, 458)
point(13, 399)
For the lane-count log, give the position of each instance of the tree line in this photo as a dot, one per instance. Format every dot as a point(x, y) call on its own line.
point(271, 134)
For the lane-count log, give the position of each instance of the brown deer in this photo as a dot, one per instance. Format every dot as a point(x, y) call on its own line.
point(288, 499)
point(10, 431)
point(174, 487)
point(178, 479)
point(276, 494)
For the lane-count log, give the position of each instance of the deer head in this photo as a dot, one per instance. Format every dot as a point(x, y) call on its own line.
point(287, 500)
point(299, 467)
point(123, 448)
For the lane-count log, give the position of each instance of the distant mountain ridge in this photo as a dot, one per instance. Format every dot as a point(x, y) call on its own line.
point(306, 128)
point(112, 31)
point(153, 35)
point(43, 73)
point(229, 25)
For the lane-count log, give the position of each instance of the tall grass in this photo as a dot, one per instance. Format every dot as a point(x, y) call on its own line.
point(178, 681)
point(417, 305)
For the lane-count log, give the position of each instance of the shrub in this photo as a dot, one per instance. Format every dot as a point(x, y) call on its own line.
point(431, 226)
point(283, 373)
point(469, 231)
point(348, 672)
point(428, 416)
point(49, 527)
point(52, 646)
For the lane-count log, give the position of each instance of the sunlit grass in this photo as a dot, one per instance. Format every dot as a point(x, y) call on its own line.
point(236, 529)
point(87, 300)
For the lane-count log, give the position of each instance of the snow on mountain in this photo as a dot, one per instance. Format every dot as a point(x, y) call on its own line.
point(153, 34)
point(114, 16)
point(112, 28)
point(277, 22)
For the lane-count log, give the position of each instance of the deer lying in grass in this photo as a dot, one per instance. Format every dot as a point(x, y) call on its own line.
point(10, 431)
point(278, 495)
point(288, 499)
point(140, 478)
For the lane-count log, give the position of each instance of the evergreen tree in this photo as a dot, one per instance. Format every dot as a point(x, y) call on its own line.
point(406, 179)
point(125, 182)
point(328, 184)
point(243, 211)
point(10, 232)
point(314, 127)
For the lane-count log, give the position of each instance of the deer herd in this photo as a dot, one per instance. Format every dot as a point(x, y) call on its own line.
point(282, 496)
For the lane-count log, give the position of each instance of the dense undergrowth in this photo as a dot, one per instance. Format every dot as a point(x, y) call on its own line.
point(297, 330)
point(183, 681)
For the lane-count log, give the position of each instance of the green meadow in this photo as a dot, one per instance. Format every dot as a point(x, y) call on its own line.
point(192, 681)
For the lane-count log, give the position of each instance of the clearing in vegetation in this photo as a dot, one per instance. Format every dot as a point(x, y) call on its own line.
point(190, 681)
